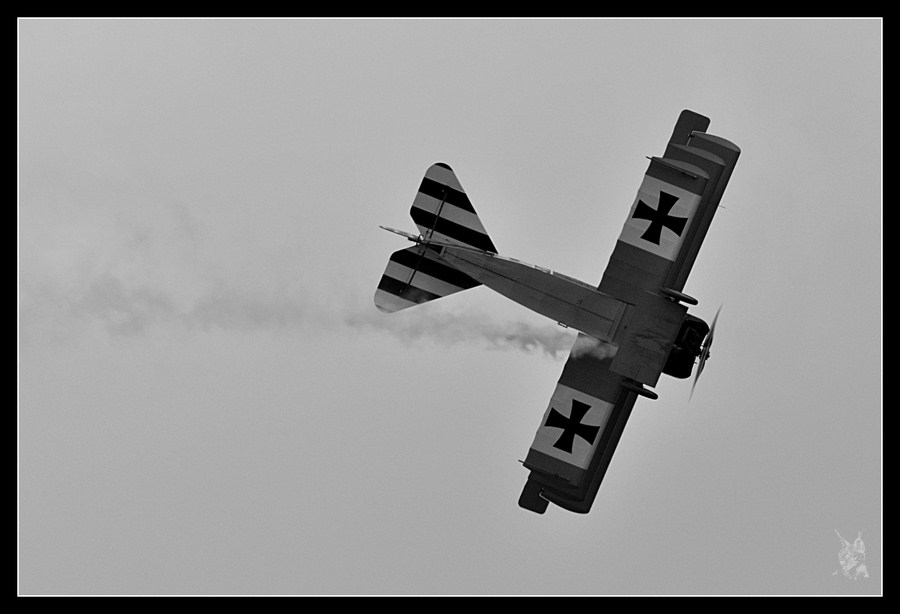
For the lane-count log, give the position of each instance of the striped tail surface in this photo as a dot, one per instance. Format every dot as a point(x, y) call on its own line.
point(444, 214)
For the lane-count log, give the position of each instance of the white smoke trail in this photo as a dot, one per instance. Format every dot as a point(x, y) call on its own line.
point(595, 347)
point(466, 327)
point(132, 268)
point(124, 308)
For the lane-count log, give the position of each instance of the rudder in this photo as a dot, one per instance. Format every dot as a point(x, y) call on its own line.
point(443, 212)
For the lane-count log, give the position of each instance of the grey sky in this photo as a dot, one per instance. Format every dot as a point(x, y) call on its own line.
point(209, 402)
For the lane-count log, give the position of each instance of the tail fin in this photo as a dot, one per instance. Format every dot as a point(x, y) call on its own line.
point(418, 274)
point(442, 211)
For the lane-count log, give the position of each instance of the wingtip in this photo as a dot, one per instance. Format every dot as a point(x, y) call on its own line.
point(531, 498)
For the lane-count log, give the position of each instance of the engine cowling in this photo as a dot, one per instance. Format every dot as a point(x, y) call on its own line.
point(688, 346)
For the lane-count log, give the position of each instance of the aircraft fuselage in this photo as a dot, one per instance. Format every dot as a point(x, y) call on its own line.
point(563, 299)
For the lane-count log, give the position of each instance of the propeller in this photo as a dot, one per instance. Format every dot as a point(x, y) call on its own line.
point(704, 352)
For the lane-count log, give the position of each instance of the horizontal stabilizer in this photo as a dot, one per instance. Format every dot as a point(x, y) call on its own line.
point(417, 275)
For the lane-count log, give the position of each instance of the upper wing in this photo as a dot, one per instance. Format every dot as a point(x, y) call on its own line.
point(671, 213)
point(578, 433)
point(656, 249)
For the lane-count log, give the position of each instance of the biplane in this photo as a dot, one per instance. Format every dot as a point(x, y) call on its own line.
point(637, 316)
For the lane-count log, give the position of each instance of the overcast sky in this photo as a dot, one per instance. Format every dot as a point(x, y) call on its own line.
point(209, 402)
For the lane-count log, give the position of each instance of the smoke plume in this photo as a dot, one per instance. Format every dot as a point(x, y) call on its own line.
point(429, 323)
point(123, 308)
point(134, 267)
point(594, 347)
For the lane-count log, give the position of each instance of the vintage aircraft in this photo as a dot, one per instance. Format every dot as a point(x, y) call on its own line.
point(637, 315)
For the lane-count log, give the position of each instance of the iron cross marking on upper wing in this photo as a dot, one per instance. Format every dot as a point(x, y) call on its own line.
point(660, 217)
point(572, 426)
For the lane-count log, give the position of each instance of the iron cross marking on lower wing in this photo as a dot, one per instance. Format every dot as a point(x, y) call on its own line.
point(660, 217)
point(572, 426)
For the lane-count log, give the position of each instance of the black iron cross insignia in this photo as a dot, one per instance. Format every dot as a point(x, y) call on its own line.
point(660, 217)
point(572, 426)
